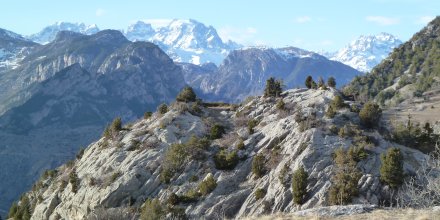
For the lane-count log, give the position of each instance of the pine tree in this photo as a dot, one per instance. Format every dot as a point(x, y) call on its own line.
point(337, 102)
point(309, 82)
point(299, 185)
point(186, 95)
point(331, 82)
point(370, 114)
point(152, 210)
point(345, 180)
point(273, 87)
point(314, 85)
point(162, 108)
point(258, 168)
point(391, 169)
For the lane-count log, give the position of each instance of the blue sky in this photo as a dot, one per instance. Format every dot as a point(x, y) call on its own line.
point(310, 24)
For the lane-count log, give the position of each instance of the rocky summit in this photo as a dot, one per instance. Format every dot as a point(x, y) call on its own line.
point(212, 161)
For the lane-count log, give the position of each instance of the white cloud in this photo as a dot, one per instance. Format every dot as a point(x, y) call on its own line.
point(303, 19)
point(244, 36)
point(158, 23)
point(382, 20)
point(424, 19)
point(99, 12)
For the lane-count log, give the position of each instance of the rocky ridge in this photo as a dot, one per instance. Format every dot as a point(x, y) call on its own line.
point(125, 170)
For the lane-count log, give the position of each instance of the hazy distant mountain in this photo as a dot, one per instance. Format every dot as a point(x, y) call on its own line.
point(49, 33)
point(63, 93)
point(366, 52)
point(244, 72)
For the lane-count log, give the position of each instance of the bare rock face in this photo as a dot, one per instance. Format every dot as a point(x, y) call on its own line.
point(126, 170)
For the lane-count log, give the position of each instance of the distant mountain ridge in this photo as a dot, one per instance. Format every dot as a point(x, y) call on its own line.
point(184, 40)
point(366, 51)
point(244, 72)
point(49, 33)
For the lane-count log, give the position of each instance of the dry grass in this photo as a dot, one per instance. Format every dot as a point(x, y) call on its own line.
point(380, 214)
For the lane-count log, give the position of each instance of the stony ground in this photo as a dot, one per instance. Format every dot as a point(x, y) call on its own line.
point(376, 214)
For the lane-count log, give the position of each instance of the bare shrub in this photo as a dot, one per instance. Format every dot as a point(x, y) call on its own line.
point(228, 139)
point(423, 189)
point(241, 121)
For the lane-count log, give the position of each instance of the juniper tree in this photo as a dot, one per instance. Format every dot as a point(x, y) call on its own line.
point(309, 82)
point(299, 185)
point(391, 169)
point(370, 114)
point(187, 94)
point(331, 82)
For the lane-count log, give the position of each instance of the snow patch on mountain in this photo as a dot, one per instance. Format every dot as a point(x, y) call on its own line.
point(49, 33)
point(366, 52)
point(289, 52)
point(13, 49)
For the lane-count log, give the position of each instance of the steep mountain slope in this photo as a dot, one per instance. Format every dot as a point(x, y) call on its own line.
point(13, 48)
point(68, 48)
point(141, 161)
point(49, 33)
point(409, 77)
point(244, 72)
point(366, 52)
point(67, 91)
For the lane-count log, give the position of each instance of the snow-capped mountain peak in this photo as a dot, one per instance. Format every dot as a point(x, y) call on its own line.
point(185, 40)
point(140, 31)
point(189, 34)
point(49, 33)
point(366, 51)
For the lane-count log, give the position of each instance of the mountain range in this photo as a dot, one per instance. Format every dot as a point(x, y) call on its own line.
point(184, 40)
point(366, 52)
point(244, 72)
point(191, 41)
point(283, 153)
point(58, 95)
